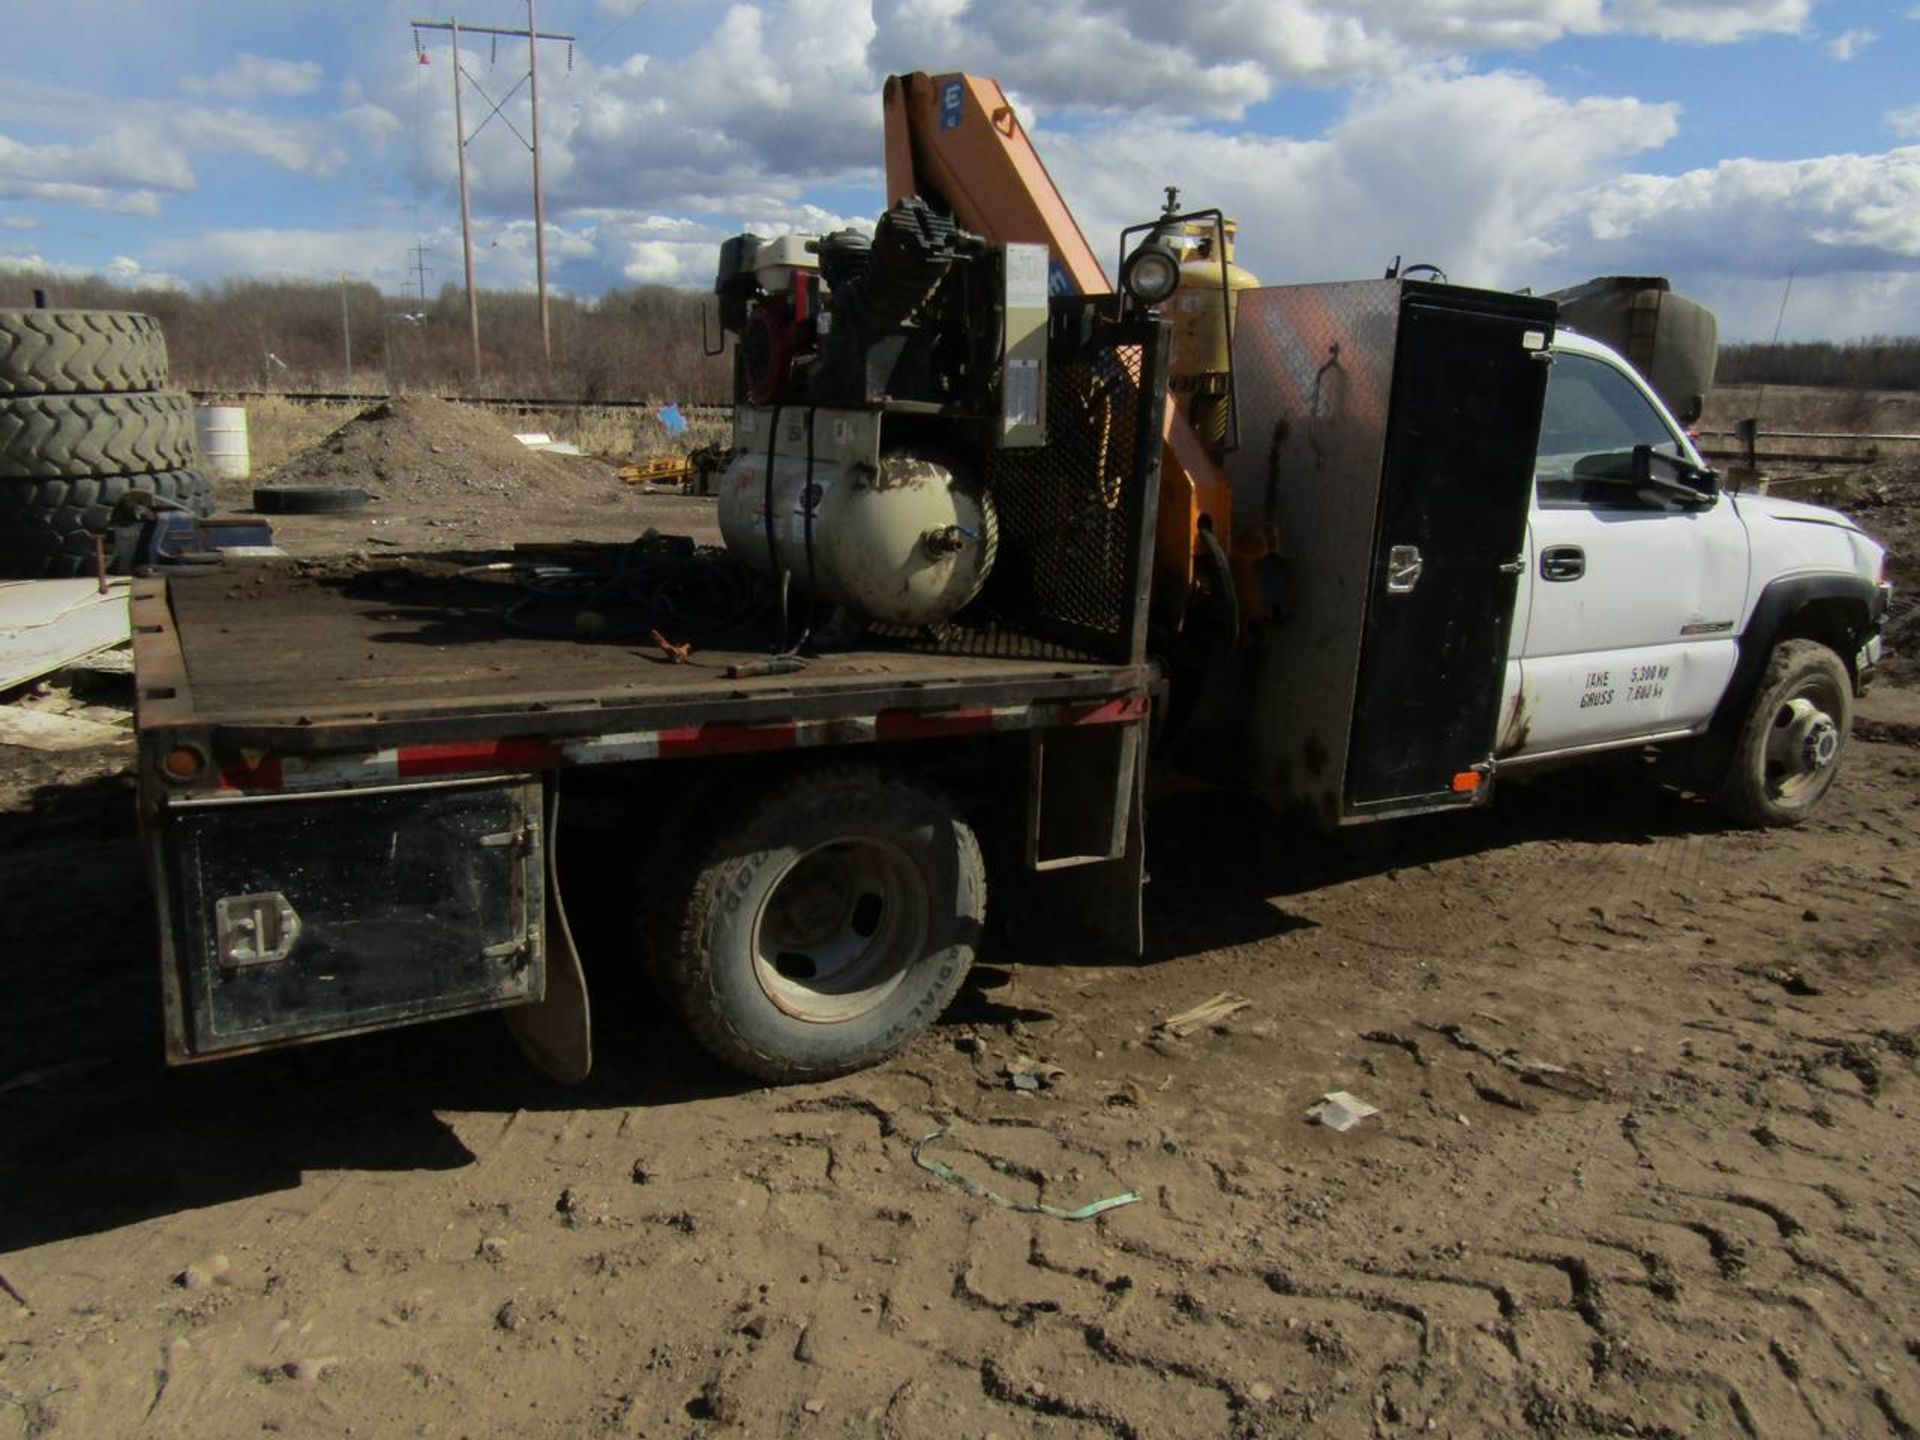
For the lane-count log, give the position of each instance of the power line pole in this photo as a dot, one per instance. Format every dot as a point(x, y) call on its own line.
point(533, 36)
point(539, 200)
point(346, 330)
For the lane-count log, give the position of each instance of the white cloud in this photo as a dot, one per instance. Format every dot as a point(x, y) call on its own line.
point(1836, 213)
point(122, 156)
point(125, 270)
point(1846, 305)
point(378, 255)
point(1709, 22)
point(1217, 58)
point(1849, 43)
point(1479, 193)
point(252, 76)
point(118, 172)
point(87, 197)
point(122, 270)
point(664, 262)
point(296, 145)
point(1905, 122)
point(374, 124)
point(19, 222)
point(140, 146)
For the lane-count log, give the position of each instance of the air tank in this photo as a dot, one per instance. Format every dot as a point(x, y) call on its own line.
point(1200, 334)
point(907, 543)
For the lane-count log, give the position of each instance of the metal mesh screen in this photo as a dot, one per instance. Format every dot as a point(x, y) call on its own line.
point(1065, 541)
point(1075, 516)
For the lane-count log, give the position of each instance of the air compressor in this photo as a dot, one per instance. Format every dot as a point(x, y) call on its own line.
point(873, 382)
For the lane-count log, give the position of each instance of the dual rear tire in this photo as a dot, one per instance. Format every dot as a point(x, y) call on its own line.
point(820, 926)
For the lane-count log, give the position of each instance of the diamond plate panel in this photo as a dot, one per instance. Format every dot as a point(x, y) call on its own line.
point(1314, 368)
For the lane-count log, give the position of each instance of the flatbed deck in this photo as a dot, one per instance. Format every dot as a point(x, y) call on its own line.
point(298, 657)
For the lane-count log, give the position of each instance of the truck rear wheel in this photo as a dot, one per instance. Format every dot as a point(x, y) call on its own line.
point(827, 923)
point(1790, 742)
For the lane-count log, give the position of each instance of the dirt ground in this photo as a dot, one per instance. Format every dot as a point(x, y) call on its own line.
point(1644, 1165)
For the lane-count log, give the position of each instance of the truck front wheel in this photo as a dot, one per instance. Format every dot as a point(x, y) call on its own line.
point(1790, 741)
point(826, 924)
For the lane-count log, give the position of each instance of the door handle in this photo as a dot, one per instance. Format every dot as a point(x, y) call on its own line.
point(1563, 562)
point(1403, 569)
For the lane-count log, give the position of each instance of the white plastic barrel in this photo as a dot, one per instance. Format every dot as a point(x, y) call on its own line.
point(222, 430)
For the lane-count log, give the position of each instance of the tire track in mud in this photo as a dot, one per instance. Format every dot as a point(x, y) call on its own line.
point(1698, 1219)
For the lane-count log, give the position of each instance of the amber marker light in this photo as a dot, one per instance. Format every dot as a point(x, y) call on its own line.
point(1466, 782)
point(184, 762)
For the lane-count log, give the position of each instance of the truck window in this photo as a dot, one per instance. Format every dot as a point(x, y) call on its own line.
point(1594, 417)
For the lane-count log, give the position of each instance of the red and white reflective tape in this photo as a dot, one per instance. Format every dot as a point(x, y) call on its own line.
point(270, 771)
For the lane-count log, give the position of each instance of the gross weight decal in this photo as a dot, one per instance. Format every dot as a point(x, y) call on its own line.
point(1647, 682)
point(1644, 682)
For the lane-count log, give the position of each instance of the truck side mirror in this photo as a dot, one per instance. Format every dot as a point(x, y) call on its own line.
point(1692, 485)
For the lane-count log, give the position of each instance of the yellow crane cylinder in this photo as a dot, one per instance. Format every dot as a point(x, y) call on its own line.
point(1198, 312)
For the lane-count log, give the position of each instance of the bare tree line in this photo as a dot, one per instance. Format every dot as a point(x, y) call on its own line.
point(643, 343)
point(1881, 362)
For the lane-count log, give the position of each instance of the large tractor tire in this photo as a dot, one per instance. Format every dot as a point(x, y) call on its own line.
point(822, 924)
point(47, 526)
point(48, 436)
point(80, 352)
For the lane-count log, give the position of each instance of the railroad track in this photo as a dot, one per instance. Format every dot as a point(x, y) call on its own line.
point(497, 402)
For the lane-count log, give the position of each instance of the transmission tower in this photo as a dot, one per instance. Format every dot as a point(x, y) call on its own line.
point(420, 270)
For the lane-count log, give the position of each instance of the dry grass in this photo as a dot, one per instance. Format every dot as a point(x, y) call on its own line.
point(1815, 407)
point(278, 429)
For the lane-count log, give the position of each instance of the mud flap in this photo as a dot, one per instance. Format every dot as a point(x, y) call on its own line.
point(556, 1032)
point(1108, 896)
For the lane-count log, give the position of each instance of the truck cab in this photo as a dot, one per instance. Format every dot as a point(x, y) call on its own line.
point(1650, 597)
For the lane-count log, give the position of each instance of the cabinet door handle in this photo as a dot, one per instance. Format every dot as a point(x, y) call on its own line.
point(1563, 562)
point(1403, 569)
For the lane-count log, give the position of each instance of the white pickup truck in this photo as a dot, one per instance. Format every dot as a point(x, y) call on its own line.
point(1656, 607)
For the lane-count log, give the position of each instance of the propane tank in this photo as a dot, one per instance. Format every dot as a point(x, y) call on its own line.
point(909, 543)
point(1200, 336)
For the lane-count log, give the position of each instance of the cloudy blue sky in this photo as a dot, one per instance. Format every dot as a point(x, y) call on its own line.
point(1728, 143)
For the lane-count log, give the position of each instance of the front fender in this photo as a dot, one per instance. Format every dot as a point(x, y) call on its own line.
point(1843, 611)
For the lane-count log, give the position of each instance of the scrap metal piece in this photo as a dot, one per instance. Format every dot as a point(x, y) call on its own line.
point(1340, 1111)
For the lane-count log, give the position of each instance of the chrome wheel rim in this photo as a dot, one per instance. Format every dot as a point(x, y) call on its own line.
point(1803, 742)
point(839, 928)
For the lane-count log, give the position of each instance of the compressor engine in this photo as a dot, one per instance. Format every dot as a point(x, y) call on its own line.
point(872, 379)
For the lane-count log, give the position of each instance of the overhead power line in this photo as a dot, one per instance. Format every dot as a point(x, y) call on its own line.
point(533, 35)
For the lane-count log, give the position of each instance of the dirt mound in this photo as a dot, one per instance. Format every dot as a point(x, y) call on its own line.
point(419, 447)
